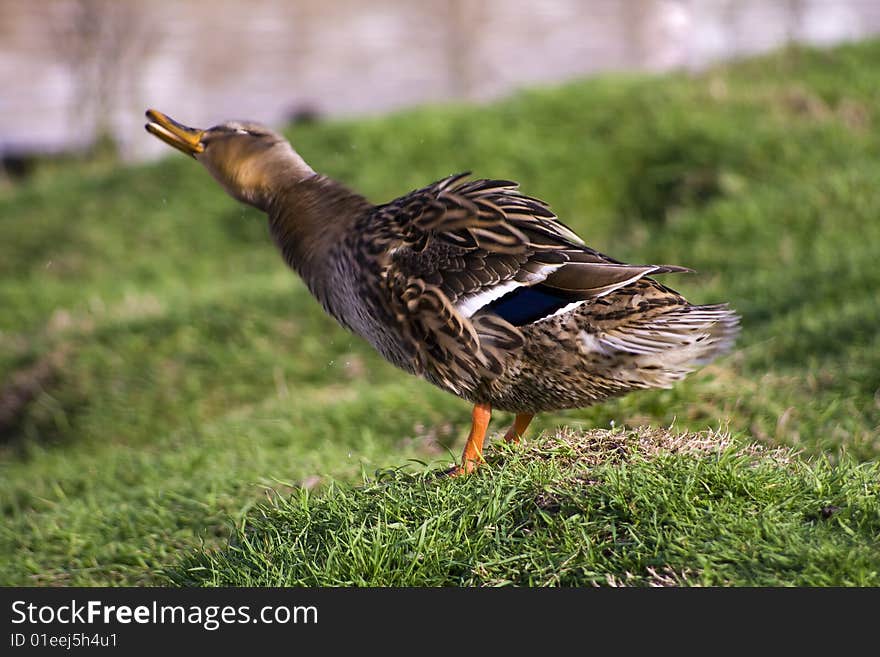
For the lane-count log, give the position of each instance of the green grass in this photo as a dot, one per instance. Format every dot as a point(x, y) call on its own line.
point(644, 508)
point(176, 407)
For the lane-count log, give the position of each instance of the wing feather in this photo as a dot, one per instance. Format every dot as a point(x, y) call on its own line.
point(456, 247)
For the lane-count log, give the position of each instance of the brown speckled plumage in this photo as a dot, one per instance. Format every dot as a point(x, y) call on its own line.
point(469, 284)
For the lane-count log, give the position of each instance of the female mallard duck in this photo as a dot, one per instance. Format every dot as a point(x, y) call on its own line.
point(468, 283)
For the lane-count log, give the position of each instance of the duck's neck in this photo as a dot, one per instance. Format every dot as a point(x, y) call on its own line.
point(308, 217)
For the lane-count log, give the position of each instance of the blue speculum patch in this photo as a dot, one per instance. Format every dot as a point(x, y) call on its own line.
point(525, 305)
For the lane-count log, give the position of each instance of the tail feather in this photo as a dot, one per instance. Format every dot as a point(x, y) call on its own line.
point(664, 348)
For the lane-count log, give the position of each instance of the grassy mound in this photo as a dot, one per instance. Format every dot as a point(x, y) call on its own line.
point(637, 508)
point(163, 376)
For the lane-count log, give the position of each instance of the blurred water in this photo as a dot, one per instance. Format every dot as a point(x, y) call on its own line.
point(71, 68)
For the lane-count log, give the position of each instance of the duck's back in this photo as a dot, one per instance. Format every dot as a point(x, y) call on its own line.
point(482, 291)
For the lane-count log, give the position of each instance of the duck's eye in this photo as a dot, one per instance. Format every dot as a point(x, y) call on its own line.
point(242, 131)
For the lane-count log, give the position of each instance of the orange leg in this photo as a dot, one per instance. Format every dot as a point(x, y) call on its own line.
point(473, 448)
point(520, 424)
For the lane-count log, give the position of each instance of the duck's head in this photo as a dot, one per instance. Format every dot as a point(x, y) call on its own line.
point(248, 159)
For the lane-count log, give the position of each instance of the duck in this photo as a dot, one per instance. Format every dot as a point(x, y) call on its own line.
point(467, 283)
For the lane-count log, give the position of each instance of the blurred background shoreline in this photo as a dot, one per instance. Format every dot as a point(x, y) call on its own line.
point(76, 73)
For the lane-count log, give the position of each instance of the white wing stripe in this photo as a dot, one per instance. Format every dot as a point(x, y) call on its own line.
point(470, 304)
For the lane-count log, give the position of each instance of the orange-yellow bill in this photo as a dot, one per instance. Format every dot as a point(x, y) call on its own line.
point(183, 138)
